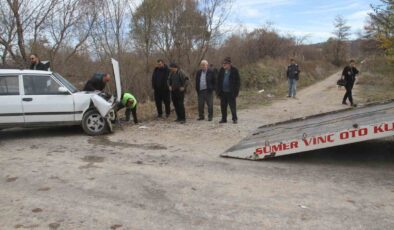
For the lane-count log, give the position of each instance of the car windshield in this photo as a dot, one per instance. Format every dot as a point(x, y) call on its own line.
point(66, 83)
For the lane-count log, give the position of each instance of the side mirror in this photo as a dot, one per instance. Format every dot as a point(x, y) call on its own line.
point(63, 90)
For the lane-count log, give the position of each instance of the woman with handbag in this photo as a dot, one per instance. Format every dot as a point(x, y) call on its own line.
point(349, 75)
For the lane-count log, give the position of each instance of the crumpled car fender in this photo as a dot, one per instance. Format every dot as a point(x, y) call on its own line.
point(102, 106)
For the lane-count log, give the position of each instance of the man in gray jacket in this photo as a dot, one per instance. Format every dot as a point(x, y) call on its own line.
point(177, 82)
point(293, 72)
point(205, 85)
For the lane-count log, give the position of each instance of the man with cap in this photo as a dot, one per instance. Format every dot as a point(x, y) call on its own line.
point(177, 82)
point(129, 102)
point(228, 87)
point(97, 82)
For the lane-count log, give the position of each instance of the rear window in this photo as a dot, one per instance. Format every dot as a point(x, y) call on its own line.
point(9, 85)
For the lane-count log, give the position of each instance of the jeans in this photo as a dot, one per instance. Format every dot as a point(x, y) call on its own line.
point(205, 96)
point(292, 87)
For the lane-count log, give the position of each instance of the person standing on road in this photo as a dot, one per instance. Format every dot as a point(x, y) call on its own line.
point(97, 82)
point(228, 87)
point(349, 73)
point(293, 72)
point(129, 102)
point(160, 87)
point(205, 85)
point(36, 64)
point(177, 82)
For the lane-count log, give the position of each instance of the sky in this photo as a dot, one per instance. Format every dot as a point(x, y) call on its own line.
point(301, 17)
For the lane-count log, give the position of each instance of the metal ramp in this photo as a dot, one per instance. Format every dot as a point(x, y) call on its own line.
point(351, 125)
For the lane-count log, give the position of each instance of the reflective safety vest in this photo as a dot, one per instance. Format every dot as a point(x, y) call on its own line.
point(128, 96)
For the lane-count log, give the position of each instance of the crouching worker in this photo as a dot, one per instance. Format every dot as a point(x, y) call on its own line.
point(129, 102)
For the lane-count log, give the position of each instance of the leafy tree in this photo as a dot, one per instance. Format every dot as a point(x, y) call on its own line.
point(381, 25)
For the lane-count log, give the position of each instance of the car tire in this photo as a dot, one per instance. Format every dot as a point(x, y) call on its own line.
point(93, 123)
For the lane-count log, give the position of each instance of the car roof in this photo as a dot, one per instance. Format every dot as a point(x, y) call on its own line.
point(23, 71)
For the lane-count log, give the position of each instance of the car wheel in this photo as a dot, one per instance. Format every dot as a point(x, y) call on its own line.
point(93, 123)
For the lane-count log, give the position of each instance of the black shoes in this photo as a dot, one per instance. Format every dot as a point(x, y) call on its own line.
point(210, 119)
point(200, 119)
point(222, 121)
point(235, 122)
point(344, 103)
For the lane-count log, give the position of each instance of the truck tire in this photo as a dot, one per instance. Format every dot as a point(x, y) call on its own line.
point(93, 123)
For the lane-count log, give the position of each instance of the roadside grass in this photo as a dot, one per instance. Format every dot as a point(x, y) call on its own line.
point(270, 75)
point(377, 80)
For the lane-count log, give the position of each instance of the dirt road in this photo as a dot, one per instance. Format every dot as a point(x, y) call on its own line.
point(163, 175)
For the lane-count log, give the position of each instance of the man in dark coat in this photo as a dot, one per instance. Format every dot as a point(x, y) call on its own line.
point(36, 64)
point(177, 82)
point(349, 74)
point(293, 72)
point(160, 87)
point(97, 82)
point(228, 87)
point(205, 85)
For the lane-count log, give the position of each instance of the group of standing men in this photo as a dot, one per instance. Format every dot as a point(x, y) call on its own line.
point(171, 82)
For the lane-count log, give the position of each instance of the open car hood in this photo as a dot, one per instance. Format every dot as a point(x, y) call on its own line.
point(115, 66)
point(102, 105)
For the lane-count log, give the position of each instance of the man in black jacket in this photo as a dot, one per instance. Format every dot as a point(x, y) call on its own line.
point(36, 64)
point(97, 82)
point(177, 82)
point(160, 87)
point(228, 87)
point(349, 74)
point(205, 84)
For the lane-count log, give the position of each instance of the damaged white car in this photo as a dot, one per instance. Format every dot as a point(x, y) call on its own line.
point(30, 98)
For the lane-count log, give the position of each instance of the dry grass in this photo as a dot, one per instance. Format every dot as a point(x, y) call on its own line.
point(377, 80)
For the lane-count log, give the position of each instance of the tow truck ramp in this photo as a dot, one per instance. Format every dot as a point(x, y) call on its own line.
point(371, 121)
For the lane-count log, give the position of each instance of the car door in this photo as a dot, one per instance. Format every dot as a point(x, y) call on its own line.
point(44, 100)
point(10, 100)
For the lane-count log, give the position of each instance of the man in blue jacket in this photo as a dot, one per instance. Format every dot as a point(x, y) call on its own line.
point(293, 72)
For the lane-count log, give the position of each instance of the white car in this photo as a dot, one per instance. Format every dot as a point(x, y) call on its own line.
point(31, 98)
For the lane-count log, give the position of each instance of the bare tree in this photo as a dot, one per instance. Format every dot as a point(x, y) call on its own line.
point(342, 33)
point(143, 28)
point(185, 30)
point(27, 17)
point(70, 25)
point(110, 34)
point(7, 32)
